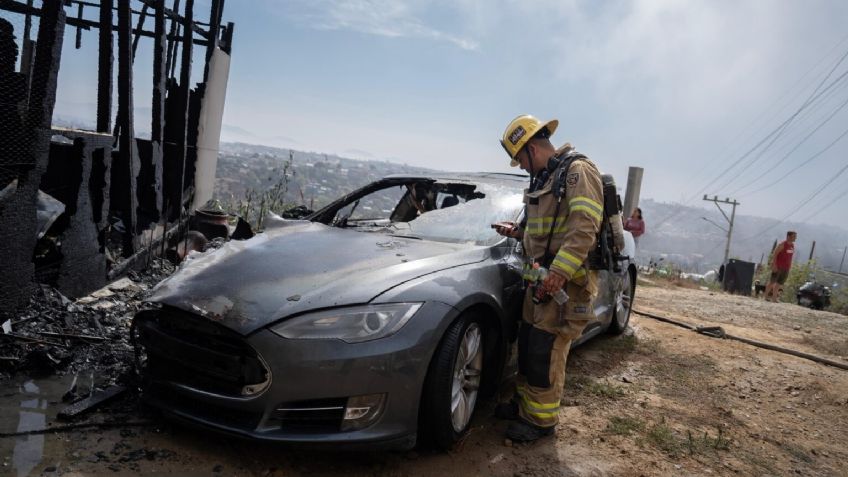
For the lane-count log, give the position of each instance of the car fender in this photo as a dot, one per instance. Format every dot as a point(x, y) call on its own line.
point(460, 287)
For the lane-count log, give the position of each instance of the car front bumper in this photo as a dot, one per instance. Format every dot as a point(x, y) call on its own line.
point(310, 384)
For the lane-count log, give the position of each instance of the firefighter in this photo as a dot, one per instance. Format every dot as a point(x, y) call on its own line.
point(563, 214)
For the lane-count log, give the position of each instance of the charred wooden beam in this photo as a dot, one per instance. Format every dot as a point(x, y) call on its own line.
point(104, 69)
point(125, 170)
point(85, 24)
point(172, 43)
point(157, 126)
point(139, 27)
point(227, 38)
point(215, 24)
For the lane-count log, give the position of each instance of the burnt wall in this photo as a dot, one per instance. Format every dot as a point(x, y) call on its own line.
point(25, 159)
point(81, 236)
point(120, 193)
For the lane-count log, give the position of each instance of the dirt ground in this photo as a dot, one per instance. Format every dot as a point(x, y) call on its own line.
point(660, 400)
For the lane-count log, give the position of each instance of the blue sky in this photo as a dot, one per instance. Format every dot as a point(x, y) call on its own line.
point(681, 88)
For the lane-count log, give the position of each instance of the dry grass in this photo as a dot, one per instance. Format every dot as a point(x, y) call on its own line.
point(828, 345)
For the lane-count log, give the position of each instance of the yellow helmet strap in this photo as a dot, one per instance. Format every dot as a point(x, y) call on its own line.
point(526, 149)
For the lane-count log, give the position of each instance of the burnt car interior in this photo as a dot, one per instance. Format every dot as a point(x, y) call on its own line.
point(396, 201)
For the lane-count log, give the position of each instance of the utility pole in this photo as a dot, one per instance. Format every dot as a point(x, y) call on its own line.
point(812, 250)
point(730, 221)
point(843, 258)
point(634, 186)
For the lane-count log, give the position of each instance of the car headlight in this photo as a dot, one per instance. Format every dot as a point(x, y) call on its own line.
point(352, 325)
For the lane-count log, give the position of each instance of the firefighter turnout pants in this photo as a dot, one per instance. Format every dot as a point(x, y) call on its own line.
point(544, 339)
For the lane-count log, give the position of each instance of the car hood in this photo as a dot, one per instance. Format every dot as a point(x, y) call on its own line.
point(246, 285)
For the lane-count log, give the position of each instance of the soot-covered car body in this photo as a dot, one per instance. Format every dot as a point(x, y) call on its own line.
point(375, 321)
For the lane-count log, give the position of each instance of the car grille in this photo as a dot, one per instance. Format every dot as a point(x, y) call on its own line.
point(183, 348)
point(316, 415)
point(204, 411)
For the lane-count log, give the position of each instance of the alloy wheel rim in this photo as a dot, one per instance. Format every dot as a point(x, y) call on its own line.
point(466, 377)
point(623, 301)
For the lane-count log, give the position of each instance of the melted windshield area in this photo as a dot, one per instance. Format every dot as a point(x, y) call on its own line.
point(456, 212)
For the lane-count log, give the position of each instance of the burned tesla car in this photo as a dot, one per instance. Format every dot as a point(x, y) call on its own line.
point(378, 320)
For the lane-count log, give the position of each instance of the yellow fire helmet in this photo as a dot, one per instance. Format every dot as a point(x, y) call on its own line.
point(520, 130)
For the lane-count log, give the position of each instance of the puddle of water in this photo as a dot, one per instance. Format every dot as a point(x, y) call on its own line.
point(30, 404)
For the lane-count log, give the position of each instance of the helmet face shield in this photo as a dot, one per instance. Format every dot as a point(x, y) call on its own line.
point(520, 130)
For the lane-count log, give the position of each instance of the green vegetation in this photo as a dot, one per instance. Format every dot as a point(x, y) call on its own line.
point(663, 437)
point(255, 204)
point(625, 425)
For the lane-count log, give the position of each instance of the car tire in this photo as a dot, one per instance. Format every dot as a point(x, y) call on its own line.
point(452, 385)
point(623, 304)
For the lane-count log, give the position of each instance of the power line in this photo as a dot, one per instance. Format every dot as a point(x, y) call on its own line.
point(813, 96)
point(798, 145)
point(810, 159)
point(804, 202)
point(772, 133)
point(785, 94)
point(785, 125)
point(830, 204)
point(797, 139)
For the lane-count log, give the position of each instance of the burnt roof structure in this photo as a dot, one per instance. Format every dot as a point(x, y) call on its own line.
point(82, 204)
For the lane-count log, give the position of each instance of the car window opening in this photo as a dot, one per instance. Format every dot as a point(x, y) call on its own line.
point(453, 212)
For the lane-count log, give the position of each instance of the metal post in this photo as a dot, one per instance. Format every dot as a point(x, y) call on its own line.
point(812, 250)
point(843, 258)
point(634, 187)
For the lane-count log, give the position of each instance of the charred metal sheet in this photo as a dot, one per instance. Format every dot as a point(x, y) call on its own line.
point(91, 402)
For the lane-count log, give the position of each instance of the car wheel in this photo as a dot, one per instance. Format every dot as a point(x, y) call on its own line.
point(452, 384)
point(623, 304)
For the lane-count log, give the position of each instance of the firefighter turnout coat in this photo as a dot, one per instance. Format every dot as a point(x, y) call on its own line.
point(547, 328)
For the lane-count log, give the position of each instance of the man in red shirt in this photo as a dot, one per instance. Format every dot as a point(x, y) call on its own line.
point(781, 262)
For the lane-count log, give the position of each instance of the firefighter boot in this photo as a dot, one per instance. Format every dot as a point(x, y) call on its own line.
point(522, 431)
point(507, 410)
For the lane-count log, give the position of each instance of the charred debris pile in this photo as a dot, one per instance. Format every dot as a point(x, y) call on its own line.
point(57, 335)
point(90, 337)
point(54, 334)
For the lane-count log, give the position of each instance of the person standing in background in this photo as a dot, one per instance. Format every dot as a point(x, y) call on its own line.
point(781, 263)
point(635, 224)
